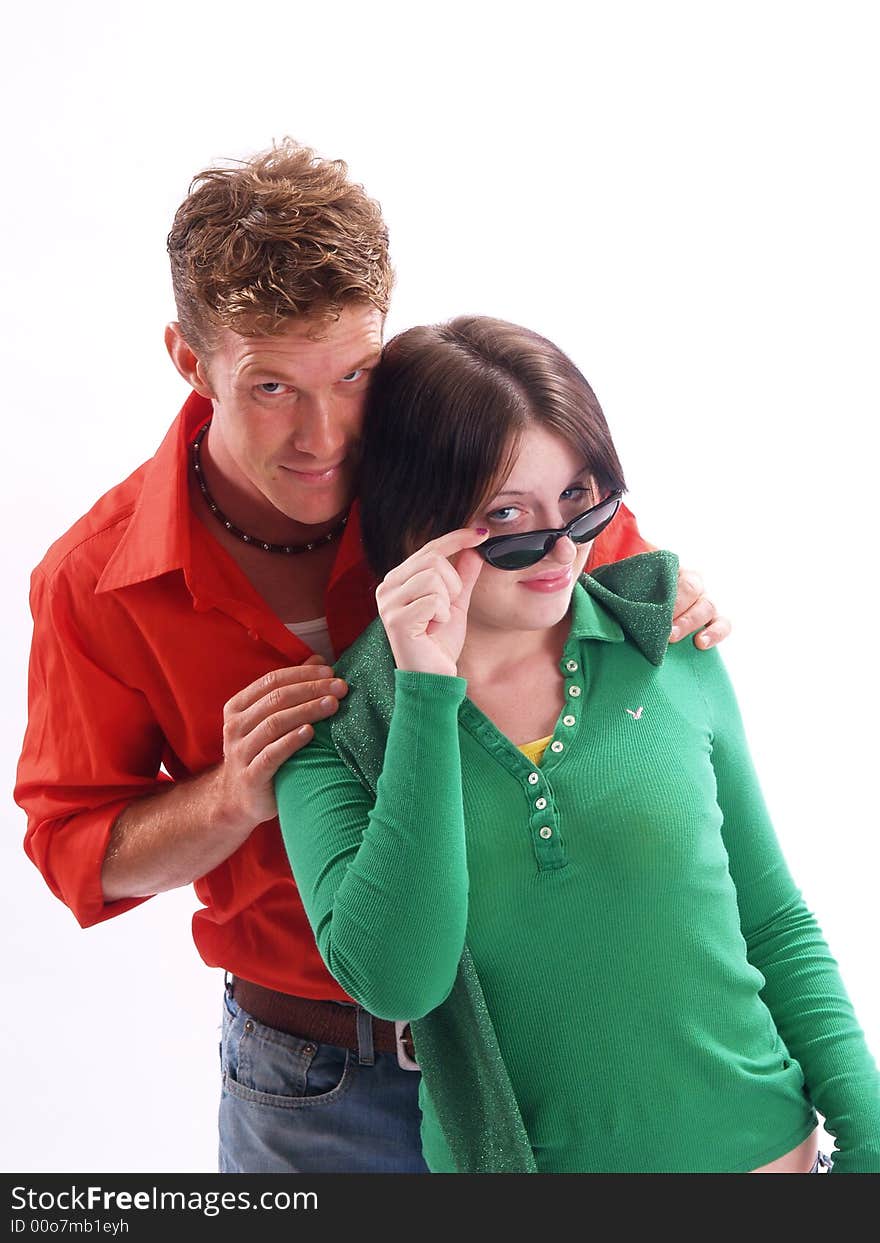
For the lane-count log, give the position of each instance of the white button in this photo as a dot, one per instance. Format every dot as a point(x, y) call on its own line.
point(574, 691)
point(568, 720)
point(540, 803)
point(571, 665)
point(557, 746)
point(545, 832)
point(533, 779)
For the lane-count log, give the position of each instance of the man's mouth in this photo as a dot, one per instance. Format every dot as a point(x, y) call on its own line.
point(321, 474)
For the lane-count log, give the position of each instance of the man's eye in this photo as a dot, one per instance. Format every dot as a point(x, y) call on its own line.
point(352, 376)
point(272, 387)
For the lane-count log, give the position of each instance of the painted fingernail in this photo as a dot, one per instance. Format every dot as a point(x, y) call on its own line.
point(482, 530)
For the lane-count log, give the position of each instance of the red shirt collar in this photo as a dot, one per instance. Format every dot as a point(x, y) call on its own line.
point(158, 538)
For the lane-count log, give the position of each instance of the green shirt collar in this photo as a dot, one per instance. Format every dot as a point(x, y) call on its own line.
point(633, 598)
point(589, 620)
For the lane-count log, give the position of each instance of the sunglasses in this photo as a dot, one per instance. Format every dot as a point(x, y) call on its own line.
point(516, 552)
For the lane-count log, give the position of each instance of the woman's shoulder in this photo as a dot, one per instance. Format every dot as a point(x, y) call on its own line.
point(369, 651)
point(358, 729)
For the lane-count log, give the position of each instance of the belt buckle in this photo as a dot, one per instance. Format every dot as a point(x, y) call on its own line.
point(402, 1034)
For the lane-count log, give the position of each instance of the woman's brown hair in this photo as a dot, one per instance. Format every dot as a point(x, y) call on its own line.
point(447, 406)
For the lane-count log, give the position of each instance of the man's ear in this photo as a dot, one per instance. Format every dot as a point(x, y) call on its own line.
point(190, 366)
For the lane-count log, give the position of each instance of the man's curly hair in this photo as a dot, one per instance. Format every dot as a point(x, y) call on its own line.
point(282, 235)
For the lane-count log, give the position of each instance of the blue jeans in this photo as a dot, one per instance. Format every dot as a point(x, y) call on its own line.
point(289, 1106)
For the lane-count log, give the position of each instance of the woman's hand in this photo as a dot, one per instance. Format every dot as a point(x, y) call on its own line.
point(423, 602)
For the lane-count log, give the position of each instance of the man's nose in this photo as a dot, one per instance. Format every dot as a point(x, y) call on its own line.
point(320, 430)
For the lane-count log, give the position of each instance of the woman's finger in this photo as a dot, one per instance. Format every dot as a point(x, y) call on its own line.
point(443, 546)
point(412, 620)
point(439, 577)
point(469, 567)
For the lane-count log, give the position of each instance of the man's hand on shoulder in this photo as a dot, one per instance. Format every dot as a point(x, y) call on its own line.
point(267, 723)
point(694, 612)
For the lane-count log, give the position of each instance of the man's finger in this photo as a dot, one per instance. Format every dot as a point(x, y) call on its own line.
point(688, 592)
point(284, 699)
point(715, 633)
point(283, 725)
point(293, 675)
point(266, 763)
point(695, 618)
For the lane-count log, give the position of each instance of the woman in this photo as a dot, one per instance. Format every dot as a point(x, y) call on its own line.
point(534, 829)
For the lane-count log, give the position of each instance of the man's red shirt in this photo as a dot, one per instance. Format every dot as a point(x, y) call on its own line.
point(143, 628)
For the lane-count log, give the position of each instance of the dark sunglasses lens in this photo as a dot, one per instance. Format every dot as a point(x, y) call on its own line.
point(518, 552)
point(515, 552)
point(593, 523)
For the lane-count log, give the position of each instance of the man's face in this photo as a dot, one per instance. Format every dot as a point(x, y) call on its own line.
point(287, 419)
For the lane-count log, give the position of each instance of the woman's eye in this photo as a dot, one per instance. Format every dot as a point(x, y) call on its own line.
point(506, 514)
point(352, 376)
point(576, 493)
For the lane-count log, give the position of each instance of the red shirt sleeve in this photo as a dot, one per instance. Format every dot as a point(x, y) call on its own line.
point(91, 746)
point(619, 540)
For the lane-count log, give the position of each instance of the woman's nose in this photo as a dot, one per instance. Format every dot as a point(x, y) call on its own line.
point(564, 550)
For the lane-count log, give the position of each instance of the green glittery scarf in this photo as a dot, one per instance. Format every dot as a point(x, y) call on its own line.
point(476, 1106)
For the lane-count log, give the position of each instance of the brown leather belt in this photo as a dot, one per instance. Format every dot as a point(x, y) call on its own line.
point(324, 1022)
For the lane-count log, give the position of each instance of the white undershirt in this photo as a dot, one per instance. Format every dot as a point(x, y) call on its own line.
point(315, 635)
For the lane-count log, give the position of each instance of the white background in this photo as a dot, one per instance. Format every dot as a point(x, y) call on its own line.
point(683, 195)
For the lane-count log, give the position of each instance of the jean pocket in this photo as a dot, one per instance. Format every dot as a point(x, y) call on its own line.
point(269, 1067)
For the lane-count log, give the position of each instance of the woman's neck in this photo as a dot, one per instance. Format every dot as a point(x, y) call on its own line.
point(489, 653)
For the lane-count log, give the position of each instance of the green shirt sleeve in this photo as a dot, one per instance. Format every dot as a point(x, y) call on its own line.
point(804, 990)
point(385, 885)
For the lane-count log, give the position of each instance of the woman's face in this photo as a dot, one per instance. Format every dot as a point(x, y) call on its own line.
point(549, 484)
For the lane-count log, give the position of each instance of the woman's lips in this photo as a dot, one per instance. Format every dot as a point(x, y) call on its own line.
point(548, 582)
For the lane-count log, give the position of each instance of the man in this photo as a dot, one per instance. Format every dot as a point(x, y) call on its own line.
point(184, 631)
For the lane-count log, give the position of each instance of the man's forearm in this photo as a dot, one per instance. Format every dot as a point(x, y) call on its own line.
point(172, 838)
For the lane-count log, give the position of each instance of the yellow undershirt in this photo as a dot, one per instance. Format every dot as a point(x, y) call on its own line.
point(534, 751)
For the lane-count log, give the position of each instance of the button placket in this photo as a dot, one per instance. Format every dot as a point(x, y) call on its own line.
point(548, 845)
point(534, 783)
point(557, 748)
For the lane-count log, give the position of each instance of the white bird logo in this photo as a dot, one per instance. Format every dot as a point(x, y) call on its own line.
point(635, 715)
